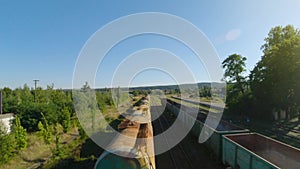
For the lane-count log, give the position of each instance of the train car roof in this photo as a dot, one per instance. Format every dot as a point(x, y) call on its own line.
point(112, 161)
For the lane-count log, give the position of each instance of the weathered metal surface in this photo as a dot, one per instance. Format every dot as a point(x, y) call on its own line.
point(134, 145)
point(255, 151)
point(116, 162)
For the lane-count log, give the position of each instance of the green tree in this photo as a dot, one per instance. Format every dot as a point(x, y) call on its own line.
point(41, 130)
point(205, 92)
point(44, 130)
point(20, 134)
point(58, 151)
point(30, 114)
point(27, 95)
point(65, 120)
point(275, 79)
point(10, 101)
point(7, 146)
point(81, 132)
point(135, 93)
point(234, 66)
point(238, 95)
point(85, 104)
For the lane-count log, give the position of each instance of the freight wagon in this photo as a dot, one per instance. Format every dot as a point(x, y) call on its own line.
point(255, 151)
point(238, 148)
point(214, 143)
point(134, 147)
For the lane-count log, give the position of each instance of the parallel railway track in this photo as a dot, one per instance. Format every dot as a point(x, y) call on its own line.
point(177, 155)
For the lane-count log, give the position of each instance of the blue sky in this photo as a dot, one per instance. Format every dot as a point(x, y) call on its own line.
point(42, 39)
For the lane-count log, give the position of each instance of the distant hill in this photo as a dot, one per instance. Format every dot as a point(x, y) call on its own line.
point(172, 87)
point(167, 87)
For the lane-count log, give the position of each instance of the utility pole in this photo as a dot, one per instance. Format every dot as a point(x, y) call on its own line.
point(35, 82)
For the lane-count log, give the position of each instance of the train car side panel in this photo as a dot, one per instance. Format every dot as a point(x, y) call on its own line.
point(245, 151)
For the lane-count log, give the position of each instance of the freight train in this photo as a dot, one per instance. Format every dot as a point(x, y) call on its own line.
point(238, 147)
point(133, 148)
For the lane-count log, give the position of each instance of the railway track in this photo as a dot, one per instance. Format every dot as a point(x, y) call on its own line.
point(185, 155)
point(178, 149)
point(179, 158)
point(171, 155)
point(289, 129)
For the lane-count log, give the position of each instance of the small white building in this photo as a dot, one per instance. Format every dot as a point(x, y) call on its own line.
point(6, 121)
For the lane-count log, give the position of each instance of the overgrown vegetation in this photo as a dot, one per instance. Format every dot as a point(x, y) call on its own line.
point(48, 118)
point(20, 135)
point(7, 147)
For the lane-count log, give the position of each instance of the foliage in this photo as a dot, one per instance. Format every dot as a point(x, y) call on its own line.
point(275, 79)
point(140, 92)
point(238, 95)
point(20, 135)
point(86, 105)
point(82, 133)
point(205, 92)
point(58, 151)
point(41, 130)
point(234, 66)
point(30, 114)
point(52, 106)
point(3, 129)
point(44, 130)
point(49, 101)
point(7, 148)
point(65, 119)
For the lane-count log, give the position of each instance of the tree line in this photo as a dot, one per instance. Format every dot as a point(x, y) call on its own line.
point(274, 83)
point(52, 109)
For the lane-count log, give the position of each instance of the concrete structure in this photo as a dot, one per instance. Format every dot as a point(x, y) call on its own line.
point(5, 120)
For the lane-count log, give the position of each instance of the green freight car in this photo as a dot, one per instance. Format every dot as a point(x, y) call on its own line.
point(255, 151)
point(214, 143)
